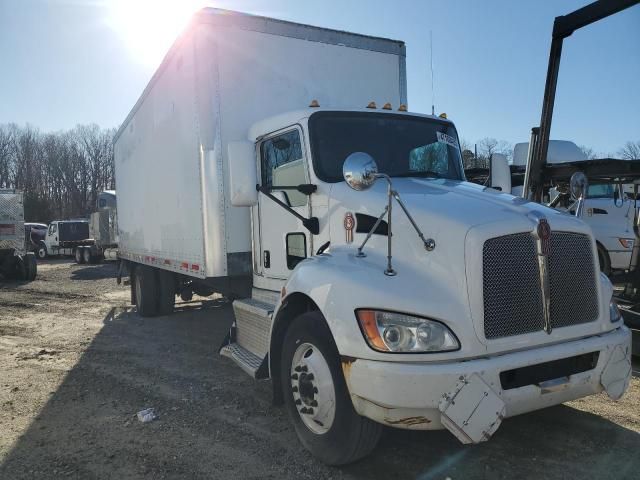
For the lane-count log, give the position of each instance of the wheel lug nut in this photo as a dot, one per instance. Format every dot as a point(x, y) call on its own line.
point(298, 369)
point(314, 403)
point(310, 376)
point(294, 376)
point(310, 411)
point(298, 402)
point(303, 410)
point(315, 389)
point(294, 389)
point(304, 368)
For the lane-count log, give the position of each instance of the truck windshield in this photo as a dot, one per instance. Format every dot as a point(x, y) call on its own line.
point(402, 145)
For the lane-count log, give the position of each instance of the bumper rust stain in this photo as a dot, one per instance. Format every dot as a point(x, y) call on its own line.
point(408, 421)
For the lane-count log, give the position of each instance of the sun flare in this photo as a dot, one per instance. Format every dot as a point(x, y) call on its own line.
point(149, 27)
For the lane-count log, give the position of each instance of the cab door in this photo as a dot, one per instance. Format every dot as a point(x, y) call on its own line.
point(284, 241)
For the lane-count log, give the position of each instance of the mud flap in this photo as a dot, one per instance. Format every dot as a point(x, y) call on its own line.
point(472, 411)
point(617, 373)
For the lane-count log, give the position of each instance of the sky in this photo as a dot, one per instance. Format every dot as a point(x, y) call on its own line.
point(69, 62)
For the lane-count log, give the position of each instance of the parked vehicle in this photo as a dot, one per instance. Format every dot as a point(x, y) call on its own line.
point(35, 234)
point(372, 284)
point(65, 237)
point(15, 262)
point(103, 231)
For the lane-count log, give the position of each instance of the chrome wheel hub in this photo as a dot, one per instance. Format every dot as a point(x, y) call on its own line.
point(312, 387)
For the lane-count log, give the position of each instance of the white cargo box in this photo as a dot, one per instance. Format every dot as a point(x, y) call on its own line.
point(225, 73)
point(12, 221)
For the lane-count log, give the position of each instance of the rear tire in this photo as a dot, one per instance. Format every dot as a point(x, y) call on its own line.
point(166, 292)
point(146, 291)
point(86, 255)
point(31, 267)
point(335, 437)
point(79, 256)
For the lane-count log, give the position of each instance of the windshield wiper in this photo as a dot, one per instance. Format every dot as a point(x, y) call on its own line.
point(423, 174)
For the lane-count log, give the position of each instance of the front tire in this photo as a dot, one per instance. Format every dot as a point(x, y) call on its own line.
point(604, 261)
point(317, 398)
point(41, 252)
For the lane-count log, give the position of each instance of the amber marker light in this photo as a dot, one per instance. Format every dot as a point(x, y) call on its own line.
point(367, 320)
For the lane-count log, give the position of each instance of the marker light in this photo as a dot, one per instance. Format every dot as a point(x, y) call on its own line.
point(614, 312)
point(402, 108)
point(443, 115)
point(397, 332)
point(314, 104)
point(626, 242)
point(372, 105)
point(387, 106)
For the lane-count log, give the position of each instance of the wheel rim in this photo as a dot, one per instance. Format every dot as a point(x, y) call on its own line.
point(312, 387)
point(42, 252)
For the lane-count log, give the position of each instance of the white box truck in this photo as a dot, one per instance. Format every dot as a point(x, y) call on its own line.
point(16, 263)
point(373, 286)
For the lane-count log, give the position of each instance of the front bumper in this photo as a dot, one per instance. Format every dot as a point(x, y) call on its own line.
point(420, 395)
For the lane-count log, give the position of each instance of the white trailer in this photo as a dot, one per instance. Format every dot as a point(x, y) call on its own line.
point(15, 262)
point(376, 287)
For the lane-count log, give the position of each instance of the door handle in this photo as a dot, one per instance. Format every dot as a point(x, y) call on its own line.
point(266, 260)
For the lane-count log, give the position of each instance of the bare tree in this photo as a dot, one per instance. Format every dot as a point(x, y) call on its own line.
point(589, 153)
point(630, 151)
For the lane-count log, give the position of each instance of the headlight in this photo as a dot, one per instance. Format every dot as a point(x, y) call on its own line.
point(397, 332)
point(614, 312)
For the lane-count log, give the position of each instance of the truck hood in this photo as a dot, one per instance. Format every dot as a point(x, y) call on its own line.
point(446, 283)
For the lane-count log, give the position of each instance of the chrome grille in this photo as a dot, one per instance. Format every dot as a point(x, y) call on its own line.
point(574, 295)
point(511, 285)
point(512, 294)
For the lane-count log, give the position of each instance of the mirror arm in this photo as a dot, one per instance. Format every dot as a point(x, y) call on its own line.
point(312, 224)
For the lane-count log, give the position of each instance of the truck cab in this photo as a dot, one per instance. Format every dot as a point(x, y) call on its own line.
point(65, 236)
point(448, 304)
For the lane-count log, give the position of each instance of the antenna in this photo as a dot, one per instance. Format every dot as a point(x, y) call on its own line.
point(433, 89)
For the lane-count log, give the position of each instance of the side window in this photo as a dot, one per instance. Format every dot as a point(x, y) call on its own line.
point(283, 165)
point(296, 249)
point(52, 229)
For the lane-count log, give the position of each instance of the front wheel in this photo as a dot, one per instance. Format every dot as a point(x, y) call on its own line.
point(41, 252)
point(317, 397)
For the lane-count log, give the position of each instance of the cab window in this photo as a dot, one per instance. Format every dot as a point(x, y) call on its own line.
point(283, 165)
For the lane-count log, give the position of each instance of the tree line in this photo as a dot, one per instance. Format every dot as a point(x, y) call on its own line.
point(60, 173)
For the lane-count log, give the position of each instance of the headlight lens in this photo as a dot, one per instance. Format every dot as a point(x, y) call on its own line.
point(397, 332)
point(614, 312)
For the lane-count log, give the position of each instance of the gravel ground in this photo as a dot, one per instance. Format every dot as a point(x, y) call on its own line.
point(76, 364)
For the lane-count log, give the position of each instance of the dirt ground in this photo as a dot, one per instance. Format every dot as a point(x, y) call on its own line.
point(76, 364)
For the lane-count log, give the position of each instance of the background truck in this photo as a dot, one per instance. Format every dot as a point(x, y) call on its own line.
point(103, 231)
point(65, 237)
point(15, 262)
point(373, 286)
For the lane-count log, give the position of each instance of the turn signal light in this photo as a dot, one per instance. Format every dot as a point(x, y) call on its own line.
point(626, 242)
point(372, 105)
point(314, 104)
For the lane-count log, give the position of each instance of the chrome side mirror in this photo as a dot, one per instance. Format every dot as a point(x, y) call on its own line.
point(360, 171)
point(578, 185)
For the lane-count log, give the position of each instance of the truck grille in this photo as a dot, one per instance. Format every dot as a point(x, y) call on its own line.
point(511, 284)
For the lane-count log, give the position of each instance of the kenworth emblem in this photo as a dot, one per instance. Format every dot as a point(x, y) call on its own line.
point(349, 224)
point(542, 233)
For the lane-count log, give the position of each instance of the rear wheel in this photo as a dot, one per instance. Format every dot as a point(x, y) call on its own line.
point(86, 255)
point(317, 397)
point(78, 255)
point(166, 292)
point(146, 291)
point(30, 266)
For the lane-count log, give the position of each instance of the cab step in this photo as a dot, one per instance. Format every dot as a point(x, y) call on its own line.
point(248, 340)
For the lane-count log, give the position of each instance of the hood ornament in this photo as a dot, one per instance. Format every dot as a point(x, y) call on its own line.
point(542, 235)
